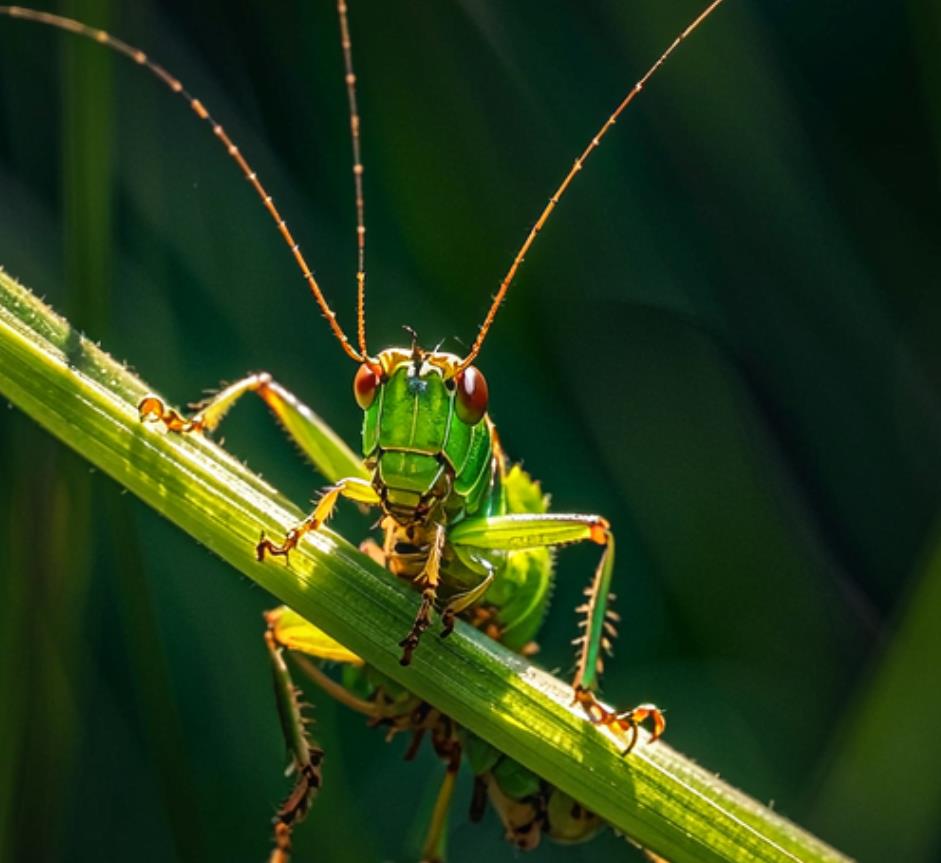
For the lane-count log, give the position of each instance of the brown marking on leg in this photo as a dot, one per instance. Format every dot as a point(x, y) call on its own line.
point(447, 622)
point(478, 804)
point(641, 713)
point(419, 625)
point(297, 803)
point(624, 724)
point(296, 806)
point(428, 580)
point(291, 539)
point(306, 758)
point(414, 744)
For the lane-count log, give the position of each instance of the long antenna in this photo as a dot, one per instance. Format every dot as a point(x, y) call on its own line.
point(141, 59)
point(579, 162)
point(347, 46)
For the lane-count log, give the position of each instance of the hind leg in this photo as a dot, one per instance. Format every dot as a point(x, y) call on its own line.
point(536, 530)
point(433, 848)
point(328, 453)
point(306, 758)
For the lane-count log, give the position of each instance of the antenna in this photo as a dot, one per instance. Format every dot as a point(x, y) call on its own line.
point(141, 59)
point(347, 46)
point(576, 167)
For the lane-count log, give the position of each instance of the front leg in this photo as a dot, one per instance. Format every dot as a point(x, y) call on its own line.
point(352, 488)
point(462, 602)
point(427, 580)
point(533, 530)
point(322, 445)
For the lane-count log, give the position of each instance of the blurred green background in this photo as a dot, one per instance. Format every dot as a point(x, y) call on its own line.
point(725, 341)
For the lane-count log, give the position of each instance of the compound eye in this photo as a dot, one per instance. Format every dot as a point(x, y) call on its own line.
point(472, 395)
point(365, 385)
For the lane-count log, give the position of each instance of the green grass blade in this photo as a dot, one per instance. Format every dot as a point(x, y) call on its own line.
point(657, 796)
point(877, 768)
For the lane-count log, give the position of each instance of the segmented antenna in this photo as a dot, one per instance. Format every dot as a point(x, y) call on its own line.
point(576, 167)
point(141, 59)
point(347, 46)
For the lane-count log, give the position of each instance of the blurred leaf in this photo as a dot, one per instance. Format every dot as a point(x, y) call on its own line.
point(883, 788)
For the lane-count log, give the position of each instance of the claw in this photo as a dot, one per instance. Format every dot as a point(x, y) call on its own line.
point(266, 546)
point(152, 409)
point(261, 547)
point(641, 714)
point(447, 623)
point(625, 724)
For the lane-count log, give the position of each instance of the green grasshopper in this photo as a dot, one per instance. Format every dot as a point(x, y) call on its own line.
point(467, 528)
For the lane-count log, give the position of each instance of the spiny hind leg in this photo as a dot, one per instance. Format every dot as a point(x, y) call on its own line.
point(329, 454)
point(352, 488)
point(287, 630)
point(599, 630)
point(533, 530)
point(306, 758)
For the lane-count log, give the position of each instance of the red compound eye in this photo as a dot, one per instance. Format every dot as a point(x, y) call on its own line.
point(365, 385)
point(472, 395)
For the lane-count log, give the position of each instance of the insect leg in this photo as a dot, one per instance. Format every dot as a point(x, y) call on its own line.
point(433, 846)
point(329, 454)
point(306, 758)
point(294, 633)
point(533, 530)
point(353, 488)
point(461, 602)
point(427, 580)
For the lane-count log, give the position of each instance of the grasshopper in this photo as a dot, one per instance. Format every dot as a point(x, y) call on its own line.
point(469, 529)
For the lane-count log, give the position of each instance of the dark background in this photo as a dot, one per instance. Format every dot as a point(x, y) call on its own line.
point(726, 340)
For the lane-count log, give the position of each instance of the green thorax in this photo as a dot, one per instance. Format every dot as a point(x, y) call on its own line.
point(420, 450)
